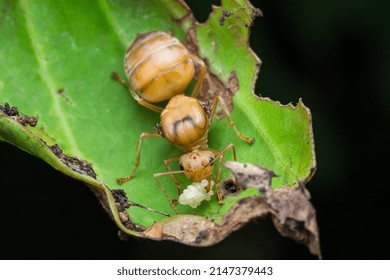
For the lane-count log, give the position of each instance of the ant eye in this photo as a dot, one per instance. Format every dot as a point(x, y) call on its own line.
point(212, 161)
point(181, 166)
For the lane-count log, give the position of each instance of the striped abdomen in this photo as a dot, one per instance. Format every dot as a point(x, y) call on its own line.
point(158, 66)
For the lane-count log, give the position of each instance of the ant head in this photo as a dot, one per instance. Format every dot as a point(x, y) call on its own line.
point(198, 165)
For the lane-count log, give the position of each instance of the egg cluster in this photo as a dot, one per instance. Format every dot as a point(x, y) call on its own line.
point(195, 193)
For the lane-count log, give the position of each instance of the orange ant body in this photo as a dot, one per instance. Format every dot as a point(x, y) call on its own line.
point(185, 121)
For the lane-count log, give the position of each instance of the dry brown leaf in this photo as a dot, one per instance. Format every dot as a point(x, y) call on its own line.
point(292, 213)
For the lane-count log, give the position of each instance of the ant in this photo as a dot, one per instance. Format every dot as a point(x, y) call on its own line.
point(185, 121)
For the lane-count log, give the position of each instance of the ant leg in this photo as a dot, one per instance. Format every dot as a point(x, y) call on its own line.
point(177, 182)
point(225, 109)
point(162, 189)
point(143, 136)
point(220, 155)
point(140, 101)
point(202, 74)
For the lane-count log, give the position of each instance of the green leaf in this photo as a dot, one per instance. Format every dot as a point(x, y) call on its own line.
point(56, 60)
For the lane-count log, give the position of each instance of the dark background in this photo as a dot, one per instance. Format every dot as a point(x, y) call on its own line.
point(333, 54)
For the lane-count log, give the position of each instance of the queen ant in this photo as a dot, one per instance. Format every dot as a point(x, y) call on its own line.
point(185, 121)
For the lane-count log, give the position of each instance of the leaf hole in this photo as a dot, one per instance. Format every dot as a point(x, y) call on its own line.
point(230, 187)
point(202, 10)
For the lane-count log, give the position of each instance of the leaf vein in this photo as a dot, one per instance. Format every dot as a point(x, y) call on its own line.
point(47, 79)
point(112, 22)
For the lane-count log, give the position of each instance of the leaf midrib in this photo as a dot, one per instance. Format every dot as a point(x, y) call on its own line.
point(48, 81)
